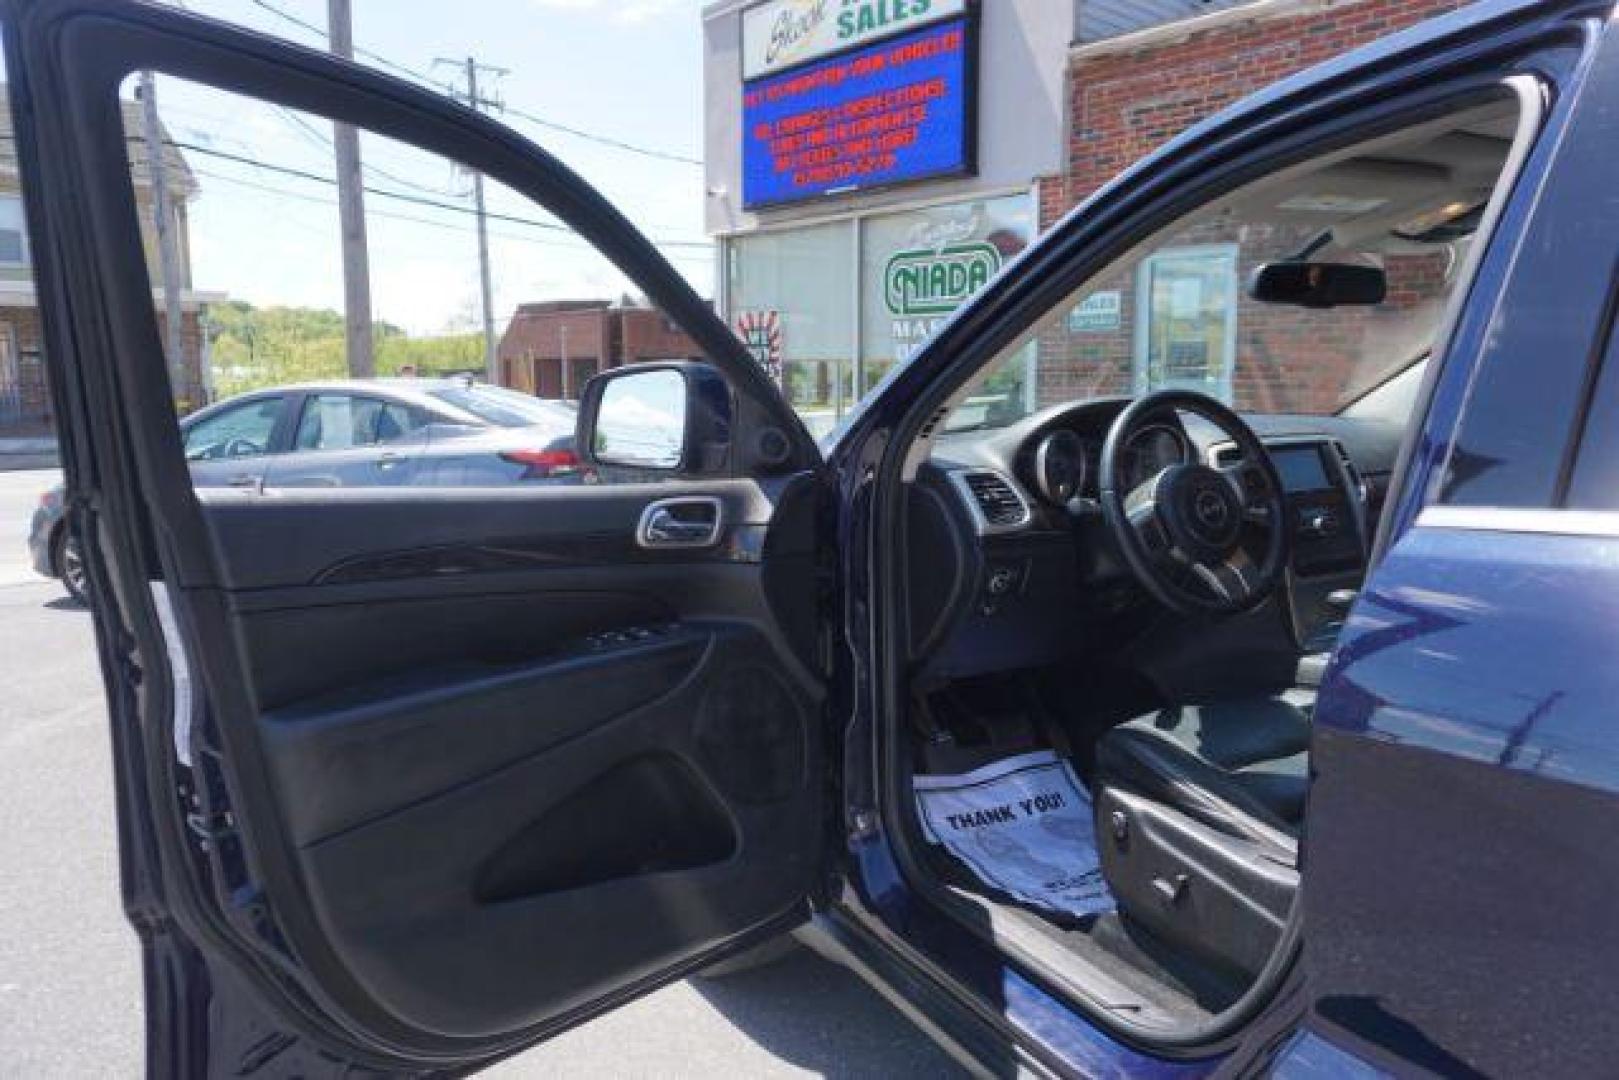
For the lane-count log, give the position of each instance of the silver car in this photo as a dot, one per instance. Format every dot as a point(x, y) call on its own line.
point(353, 433)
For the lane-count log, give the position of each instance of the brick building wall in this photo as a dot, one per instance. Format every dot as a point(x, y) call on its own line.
point(590, 336)
point(1130, 95)
point(1124, 102)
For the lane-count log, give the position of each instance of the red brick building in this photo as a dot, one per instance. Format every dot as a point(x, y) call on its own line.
point(1132, 91)
point(552, 348)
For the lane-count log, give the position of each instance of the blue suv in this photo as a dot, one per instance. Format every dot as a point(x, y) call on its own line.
point(1224, 689)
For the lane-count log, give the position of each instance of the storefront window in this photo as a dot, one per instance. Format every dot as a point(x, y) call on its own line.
point(791, 300)
point(918, 266)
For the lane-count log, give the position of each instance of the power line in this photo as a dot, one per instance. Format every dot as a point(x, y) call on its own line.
point(401, 196)
point(433, 83)
point(317, 137)
point(419, 200)
point(572, 242)
point(320, 32)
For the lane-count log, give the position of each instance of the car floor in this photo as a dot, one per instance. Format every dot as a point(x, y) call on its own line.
point(1113, 959)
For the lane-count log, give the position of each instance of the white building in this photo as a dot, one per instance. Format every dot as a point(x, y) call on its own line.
point(870, 163)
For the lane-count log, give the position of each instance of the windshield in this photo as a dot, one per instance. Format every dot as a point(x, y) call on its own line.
point(1180, 310)
point(505, 408)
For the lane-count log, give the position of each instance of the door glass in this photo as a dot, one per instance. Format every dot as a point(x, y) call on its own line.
point(344, 421)
point(401, 313)
point(1175, 311)
point(240, 431)
point(1187, 327)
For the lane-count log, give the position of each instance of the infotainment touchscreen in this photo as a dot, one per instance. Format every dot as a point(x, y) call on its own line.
point(1300, 468)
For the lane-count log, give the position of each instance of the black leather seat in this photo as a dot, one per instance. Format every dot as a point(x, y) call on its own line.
point(1239, 766)
point(1199, 810)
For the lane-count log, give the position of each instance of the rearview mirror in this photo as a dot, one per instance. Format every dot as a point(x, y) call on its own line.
point(672, 417)
point(1318, 285)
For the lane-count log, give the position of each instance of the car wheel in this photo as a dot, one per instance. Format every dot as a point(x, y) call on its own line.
point(69, 562)
point(771, 952)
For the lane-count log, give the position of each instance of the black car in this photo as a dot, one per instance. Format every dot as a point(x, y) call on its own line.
point(344, 433)
point(1129, 735)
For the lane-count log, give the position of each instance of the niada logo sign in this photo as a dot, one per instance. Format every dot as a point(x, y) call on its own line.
point(781, 34)
point(937, 281)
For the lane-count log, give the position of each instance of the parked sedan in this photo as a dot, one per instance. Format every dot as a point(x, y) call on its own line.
point(352, 433)
point(384, 432)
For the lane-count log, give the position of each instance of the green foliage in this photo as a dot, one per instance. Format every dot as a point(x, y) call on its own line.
point(258, 347)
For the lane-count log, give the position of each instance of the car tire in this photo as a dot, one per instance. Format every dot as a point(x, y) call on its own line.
point(760, 956)
point(69, 564)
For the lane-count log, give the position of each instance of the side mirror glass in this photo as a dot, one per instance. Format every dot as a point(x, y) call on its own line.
point(642, 421)
point(671, 417)
point(1318, 285)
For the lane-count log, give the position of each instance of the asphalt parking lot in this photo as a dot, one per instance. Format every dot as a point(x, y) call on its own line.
point(70, 991)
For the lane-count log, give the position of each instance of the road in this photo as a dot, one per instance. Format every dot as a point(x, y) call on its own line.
point(69, 969)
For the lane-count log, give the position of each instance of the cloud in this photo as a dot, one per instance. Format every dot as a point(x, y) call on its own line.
point(620, 11)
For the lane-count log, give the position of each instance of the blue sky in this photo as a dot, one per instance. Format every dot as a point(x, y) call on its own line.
point(630, 70)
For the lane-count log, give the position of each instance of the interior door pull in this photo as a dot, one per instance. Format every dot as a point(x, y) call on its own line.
point(687, 522)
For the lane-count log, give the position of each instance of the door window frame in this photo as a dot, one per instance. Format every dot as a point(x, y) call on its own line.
point(128, 443)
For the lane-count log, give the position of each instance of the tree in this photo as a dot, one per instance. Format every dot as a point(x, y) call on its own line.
point(258, 347)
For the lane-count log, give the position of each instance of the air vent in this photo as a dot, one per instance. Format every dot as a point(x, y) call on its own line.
point(1355, 481)
point(1227, 456)
point(934, 421)
point(996, 503)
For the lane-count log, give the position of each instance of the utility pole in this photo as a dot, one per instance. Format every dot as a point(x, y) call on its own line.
point(351, 214)
point(168, 254)
point(473, 99)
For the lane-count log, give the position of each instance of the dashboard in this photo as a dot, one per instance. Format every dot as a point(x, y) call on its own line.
point(1011, 517)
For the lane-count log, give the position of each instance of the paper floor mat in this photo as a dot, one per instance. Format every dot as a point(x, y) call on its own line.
point(1024, 826)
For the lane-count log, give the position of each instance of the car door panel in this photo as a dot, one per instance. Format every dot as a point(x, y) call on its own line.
point(632, 835)
point(569, 691)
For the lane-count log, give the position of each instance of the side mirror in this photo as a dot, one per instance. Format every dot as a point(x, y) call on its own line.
point(663, 418)
point(1317, 285)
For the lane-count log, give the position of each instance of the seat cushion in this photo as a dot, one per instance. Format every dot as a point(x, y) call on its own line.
point(1240, 765)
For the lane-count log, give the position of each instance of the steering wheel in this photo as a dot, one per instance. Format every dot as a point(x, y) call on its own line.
point(1190, 534)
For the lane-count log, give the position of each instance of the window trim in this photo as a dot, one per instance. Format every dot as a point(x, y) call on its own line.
point(14, 198)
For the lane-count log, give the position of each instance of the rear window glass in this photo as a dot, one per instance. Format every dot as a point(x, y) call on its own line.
point(504, 408)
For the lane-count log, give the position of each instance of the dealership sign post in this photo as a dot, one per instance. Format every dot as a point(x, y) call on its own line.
point(848, 95)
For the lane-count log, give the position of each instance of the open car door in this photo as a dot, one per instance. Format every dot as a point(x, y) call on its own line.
point(410, 778)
